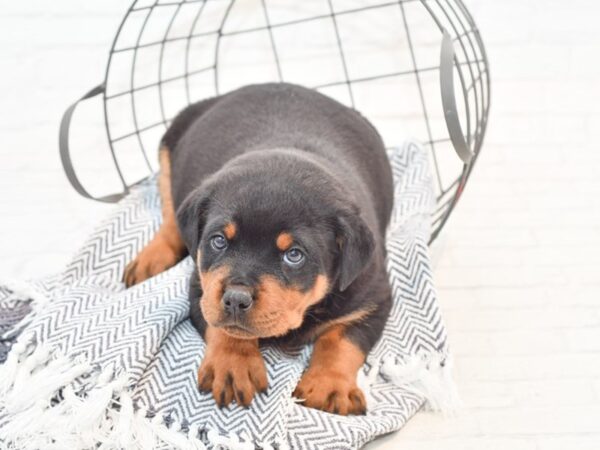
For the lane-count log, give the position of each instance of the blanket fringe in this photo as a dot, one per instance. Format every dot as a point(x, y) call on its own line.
point(428, 375)
point(365, 380)
point(55, 402)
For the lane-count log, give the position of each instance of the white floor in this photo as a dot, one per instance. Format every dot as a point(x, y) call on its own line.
point(518, 271)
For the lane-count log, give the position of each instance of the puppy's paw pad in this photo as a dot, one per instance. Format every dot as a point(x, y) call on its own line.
point(233, 377)
point(155, 258)
point(332, 392)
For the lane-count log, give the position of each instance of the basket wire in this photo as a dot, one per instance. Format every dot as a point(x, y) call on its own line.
point(209, 22)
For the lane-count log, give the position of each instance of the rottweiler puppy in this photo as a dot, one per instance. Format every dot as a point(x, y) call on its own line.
point(282, 197)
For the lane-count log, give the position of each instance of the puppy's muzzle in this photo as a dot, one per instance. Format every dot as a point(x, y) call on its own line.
point(237, 301)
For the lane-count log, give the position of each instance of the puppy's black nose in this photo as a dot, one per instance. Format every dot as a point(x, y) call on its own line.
point(236, 301)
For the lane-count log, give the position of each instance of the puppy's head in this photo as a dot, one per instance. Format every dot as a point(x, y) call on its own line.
point(269, 243)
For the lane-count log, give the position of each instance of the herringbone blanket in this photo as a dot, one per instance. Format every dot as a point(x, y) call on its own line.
point(96, 363)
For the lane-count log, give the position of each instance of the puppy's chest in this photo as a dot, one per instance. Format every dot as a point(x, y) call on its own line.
point(316, 321)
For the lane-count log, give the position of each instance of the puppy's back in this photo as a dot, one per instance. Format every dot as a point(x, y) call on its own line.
point(208, 134)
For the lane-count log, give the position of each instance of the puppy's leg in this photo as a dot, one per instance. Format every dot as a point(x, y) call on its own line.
point(232, 369)
point(166, 248)
point(329, 383)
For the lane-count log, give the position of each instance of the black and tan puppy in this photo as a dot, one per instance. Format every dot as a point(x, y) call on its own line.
point(282, 196)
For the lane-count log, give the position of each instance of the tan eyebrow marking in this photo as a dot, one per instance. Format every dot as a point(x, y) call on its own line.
point(230, 230)
point(284, 241)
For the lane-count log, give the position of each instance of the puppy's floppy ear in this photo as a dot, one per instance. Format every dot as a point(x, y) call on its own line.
point(356, 244)
point(191, 217)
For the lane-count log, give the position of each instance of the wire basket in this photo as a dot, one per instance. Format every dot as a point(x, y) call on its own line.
point(415, 68)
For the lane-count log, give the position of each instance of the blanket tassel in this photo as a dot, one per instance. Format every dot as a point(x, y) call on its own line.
point(56, 402)
point(428, 375)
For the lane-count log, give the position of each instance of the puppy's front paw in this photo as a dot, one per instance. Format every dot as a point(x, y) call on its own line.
point(156, 257)
point(233, 376)
point(331, 391)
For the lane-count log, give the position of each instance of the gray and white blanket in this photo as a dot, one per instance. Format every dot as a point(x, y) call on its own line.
point(97, 365)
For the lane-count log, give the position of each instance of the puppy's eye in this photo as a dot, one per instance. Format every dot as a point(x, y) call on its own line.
point(293, 257)
point(218, 242)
